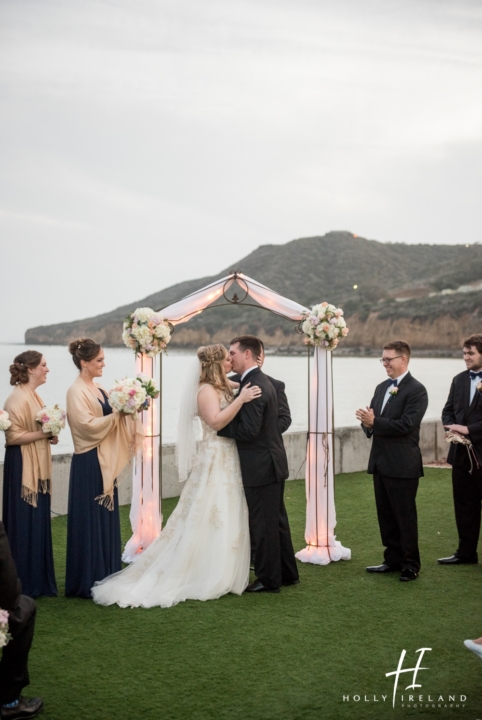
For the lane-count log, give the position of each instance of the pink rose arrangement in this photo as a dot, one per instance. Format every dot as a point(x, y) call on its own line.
point(52, 419)
point(145, 331)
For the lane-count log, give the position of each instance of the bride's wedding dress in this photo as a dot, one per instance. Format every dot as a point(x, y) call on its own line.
point(204, 550)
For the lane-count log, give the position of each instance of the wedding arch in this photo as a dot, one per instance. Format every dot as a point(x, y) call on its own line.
point(146, 520)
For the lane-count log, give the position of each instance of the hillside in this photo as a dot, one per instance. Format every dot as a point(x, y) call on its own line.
point(431, 295)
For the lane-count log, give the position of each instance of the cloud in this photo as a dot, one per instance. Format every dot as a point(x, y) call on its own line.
point(189, 133)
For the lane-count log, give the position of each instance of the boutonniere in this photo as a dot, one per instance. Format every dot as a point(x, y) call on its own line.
point(394, 390)
point(479, 386)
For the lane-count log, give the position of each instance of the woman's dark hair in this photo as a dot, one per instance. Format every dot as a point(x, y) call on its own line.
point(83, 349)
point(19, 369)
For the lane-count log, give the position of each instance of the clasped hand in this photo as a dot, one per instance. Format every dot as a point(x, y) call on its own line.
point(460, 429)
point(366, 417)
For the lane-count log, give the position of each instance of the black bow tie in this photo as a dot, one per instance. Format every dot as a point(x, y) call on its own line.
point(474, 375)
point(393, 382)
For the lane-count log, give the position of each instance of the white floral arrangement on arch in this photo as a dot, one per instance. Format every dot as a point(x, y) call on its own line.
point(5, 636)
point(146, 331)
point(324, 325)
point(4, 420)
point(52, 419)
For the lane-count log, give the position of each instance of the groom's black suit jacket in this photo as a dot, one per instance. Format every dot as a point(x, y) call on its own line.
point(284, 413)
point(257, 432)
point(395, 451)
point(459, 410)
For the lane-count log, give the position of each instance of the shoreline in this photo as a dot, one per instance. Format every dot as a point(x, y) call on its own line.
point(290, 351)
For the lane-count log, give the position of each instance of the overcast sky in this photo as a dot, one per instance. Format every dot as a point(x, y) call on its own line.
point(145, 142)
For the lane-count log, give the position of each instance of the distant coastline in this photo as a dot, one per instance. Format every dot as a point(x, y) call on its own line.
point(428, 295)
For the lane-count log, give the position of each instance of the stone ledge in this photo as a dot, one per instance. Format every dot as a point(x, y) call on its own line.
point(351, 455)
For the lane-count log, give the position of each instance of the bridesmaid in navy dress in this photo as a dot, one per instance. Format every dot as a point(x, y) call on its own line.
point(27, 478)
point(103, 442)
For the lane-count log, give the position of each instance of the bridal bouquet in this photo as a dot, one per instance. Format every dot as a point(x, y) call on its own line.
point(4, 420)
point(52, 419)
point(129, 395)
point(4, 634)
point(146, 331)
point(150, 386)
point(324, 325)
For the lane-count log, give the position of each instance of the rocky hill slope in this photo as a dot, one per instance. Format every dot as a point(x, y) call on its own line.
point(430, 295)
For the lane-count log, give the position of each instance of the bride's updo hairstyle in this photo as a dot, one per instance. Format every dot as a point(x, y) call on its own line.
point(83, 349)
point(211, 358)
point(19, 368)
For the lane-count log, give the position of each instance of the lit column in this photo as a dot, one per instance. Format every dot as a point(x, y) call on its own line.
point(322, 546)
point(145, 515)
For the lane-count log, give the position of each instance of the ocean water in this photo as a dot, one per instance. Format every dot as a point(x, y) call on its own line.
point(354, 380)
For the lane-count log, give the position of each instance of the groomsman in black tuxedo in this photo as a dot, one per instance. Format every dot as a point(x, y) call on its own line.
point(21, 622)
point(462, 414)
point(393, 421)
point(264, 469)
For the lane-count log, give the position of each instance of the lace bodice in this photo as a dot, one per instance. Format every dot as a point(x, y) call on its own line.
point(208, 434)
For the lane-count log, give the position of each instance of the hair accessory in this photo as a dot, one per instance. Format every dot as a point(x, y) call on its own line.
point(79, 346)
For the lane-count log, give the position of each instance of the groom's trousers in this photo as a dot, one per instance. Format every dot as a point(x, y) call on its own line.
point(274, 558)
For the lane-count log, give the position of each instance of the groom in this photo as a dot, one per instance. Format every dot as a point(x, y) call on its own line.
point(264, 469)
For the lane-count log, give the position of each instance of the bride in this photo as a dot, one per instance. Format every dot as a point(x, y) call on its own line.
point(204, 550)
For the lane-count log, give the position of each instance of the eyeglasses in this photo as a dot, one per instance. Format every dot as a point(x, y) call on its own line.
point(387, 361)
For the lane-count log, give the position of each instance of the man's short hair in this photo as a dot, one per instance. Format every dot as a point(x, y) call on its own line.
point(474, 341)
point(400, 346)
point(249, 342)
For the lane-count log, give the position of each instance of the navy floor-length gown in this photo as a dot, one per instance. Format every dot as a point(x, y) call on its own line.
point(28, 530)
point(93, 531)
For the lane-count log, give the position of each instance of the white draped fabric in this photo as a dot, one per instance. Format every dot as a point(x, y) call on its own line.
point(145, 515)
point(322, 546)
point(271, 300)
point(185, 309)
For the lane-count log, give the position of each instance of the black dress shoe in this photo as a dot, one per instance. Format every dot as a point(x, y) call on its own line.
point(257, 586)
point(291, 582)
point(408, 574)
point(25, 708)
point(383, 568)
point(456, 560)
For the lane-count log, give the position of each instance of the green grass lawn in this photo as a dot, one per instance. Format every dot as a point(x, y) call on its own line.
point(291, 656)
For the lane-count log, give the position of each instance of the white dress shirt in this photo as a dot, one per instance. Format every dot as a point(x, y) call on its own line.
point(390, 387)
point(248, 371)
point(473, 387)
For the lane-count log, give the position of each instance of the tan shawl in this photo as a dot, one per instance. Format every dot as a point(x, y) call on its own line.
point(116, 437)
point(22, 405)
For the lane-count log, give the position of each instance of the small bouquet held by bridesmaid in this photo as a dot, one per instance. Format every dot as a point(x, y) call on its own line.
point(4, 420)
point(5, 636)
point(146, 331)
point(324, 325)
point(52, 419)
point(133, 394)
